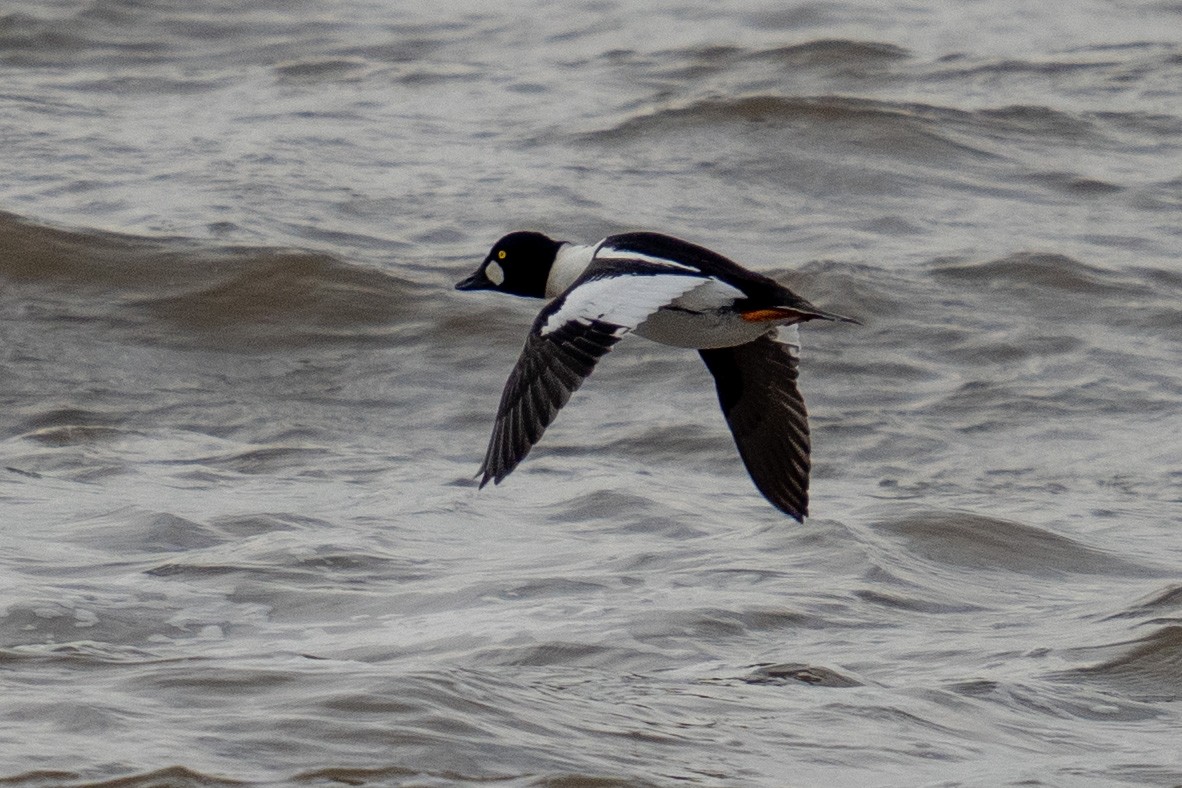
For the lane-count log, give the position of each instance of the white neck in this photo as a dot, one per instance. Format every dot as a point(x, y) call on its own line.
point(569, 264)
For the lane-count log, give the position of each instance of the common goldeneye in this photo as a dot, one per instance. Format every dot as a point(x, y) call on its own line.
point(670, 291)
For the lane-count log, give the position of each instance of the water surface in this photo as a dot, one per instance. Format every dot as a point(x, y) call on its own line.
point(241, 540)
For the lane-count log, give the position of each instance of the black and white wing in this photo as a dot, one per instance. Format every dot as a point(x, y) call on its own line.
point(568, 337)
point(759, 292)
point(764, 408)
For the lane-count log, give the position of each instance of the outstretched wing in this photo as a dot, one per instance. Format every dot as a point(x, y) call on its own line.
point(757, 389)
point(568, 337)
point(549, 370)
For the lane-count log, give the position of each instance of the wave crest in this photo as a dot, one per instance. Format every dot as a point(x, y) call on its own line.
point(176, 289)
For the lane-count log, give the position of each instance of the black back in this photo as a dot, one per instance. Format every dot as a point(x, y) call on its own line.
point(761, 291)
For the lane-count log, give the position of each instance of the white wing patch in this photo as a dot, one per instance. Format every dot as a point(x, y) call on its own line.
point(625, 301)
point(709, 294)
point(627, 254)
point(790, 336)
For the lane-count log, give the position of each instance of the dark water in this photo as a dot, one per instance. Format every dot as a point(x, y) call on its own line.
point(242, 407)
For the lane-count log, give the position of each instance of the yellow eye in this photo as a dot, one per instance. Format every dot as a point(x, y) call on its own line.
point(501, 255)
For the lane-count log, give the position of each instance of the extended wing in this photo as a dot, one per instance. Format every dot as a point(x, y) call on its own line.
point(568, 338)
point(757, 389)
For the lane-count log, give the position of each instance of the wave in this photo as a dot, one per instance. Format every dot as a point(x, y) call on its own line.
point(1079, 296)
point(722, 86)
point(1167, 602)
point(981, 542)
point(113, 33)
point(914, 131)
point(789, 672)
point(176, 290)
point(121, 46)
point(173, 776)
point(1149, 666)
point(898, 128)
point(1041, 270)
point(833, 51)
point(824, 53)
point(1127, 63)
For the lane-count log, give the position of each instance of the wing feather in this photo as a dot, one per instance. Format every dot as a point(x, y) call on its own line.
point(568, 338)
point(766, 413)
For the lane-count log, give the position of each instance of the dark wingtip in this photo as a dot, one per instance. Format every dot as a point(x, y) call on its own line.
point(794, 507)
point(489, 475)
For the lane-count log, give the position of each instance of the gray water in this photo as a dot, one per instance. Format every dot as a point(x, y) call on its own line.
point(240, 538)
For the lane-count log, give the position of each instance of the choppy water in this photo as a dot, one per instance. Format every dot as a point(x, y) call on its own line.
point(242, 406)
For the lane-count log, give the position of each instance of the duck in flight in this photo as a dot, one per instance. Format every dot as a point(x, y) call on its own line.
point(670, 291)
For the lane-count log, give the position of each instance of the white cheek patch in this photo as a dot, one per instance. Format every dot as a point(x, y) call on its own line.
point(495, 273)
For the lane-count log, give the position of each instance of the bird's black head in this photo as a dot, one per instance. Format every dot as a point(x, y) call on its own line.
point(518, 264)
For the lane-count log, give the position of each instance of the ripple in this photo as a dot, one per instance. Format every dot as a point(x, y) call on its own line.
point(1149, 666)
point(177, 290)
point(326, 69)
point(981, 542)
point(788, 672)
point(889, 128)
point(1051, 271)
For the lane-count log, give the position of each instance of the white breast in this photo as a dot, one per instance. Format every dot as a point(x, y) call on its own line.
point(704, 317)
point(569, 264)
point(700, 329)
